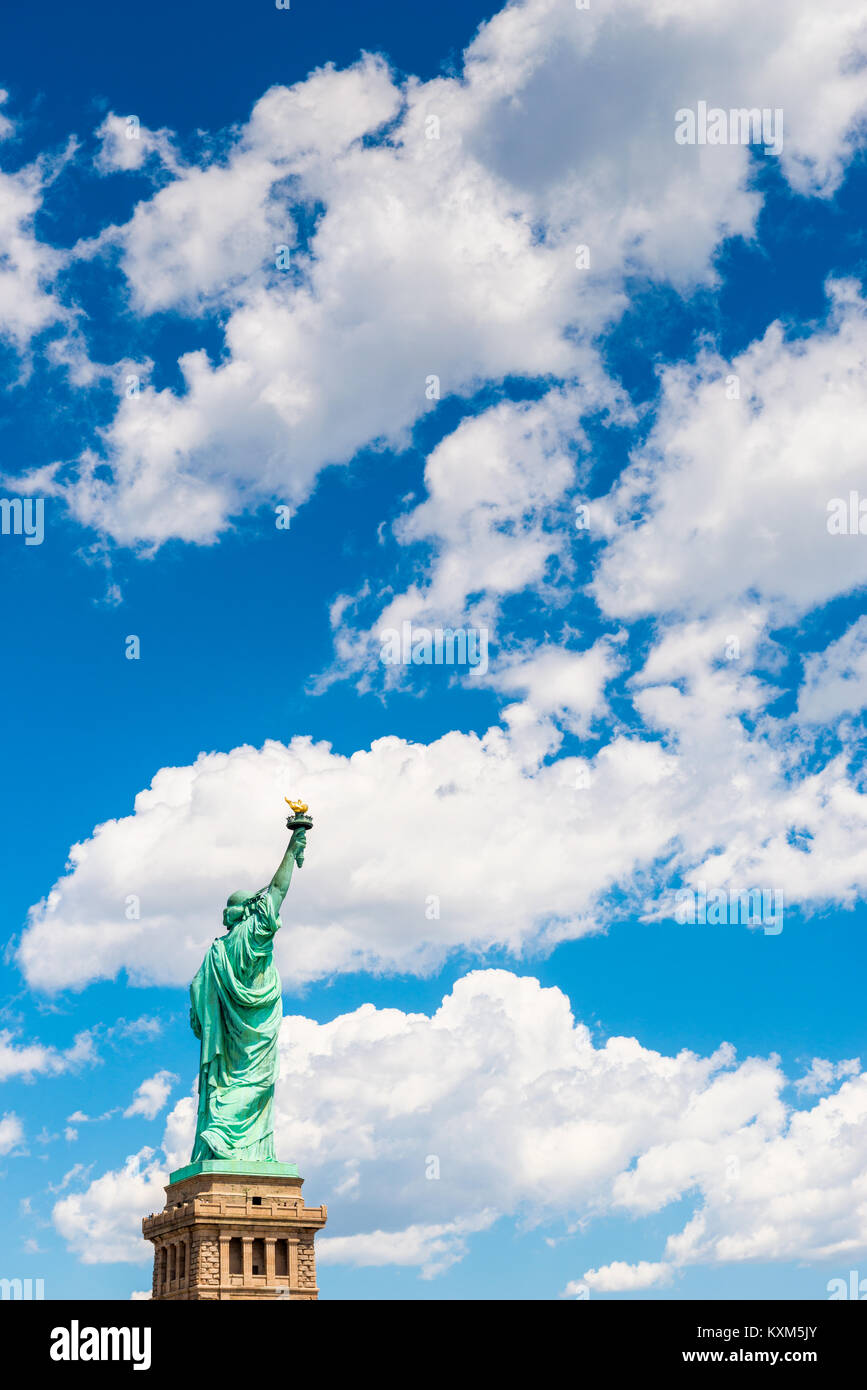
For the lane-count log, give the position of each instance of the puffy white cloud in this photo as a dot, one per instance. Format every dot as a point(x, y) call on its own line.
point(619, 1277)
point(151, 1095)
point(823, 1074)
point(835, 680)
point(432, 1249)
point(126, 145)
point(416, 849)
point(445, 247)
point(97, 1222)
point(556, 681)
point(11, 1132)
point(754, 807)
point(800, 1193)
point(544, 76)
point(495, 520)
point(420, 1130)
point(31, 1059)
point(713, 790)
point(207, 236)
point(734, 493)
point(28, 266)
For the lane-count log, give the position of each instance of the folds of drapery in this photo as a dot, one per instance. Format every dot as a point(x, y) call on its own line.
point(235, 1011)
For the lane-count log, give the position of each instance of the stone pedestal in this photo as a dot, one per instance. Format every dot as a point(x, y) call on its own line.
point(234, 1230)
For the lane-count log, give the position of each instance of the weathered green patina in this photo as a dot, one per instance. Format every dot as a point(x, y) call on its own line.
point(235, 1012)
point(244, 1168)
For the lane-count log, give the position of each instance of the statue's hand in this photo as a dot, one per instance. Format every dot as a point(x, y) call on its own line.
point(298, 844)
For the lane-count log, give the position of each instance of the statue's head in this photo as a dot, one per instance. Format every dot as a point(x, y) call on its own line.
point(234, 900)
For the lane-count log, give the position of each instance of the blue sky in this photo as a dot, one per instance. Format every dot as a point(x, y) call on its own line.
point(675, 690)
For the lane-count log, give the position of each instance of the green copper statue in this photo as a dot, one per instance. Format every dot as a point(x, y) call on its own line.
point(235, 1011)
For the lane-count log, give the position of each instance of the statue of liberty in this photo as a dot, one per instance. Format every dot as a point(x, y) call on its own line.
point(235, 1012)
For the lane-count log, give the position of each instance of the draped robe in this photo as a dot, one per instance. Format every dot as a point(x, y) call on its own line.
point(235, 1011)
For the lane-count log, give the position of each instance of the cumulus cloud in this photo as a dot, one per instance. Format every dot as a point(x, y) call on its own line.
point(835, 680)
point(823, 1074)
point(126, 145)
point(151, 1095)
point(431, 1249)
point(96, 1223)
point(422, 1130)
point(28, 266)
point(737, 490)
point(445, 220)
point(441, 864)
point(27, 1060)
point(11, 1132)
point(436, 867)
point(619, 1277)
point(427, 232)
point(495, 522)
point(557, 681)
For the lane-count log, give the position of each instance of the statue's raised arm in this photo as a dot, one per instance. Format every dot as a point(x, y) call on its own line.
point(279, 885)
point(299, 823)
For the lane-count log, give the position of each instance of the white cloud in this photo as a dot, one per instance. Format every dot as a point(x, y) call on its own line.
point(28, 265)
point(80, 1117)
point(451, 256)
point(432, 1249)
point(97, 1222)
point(735, 492)
point(151, 1095)
point(456, 820)
point(624, 1278)
point(31, 1059)
point(555, 681)
point(79, 1172)
point(125, 145)
point(527, 1119)
point(11, 1132)
point(496, 518)
point(835, 680)
point(208, 235)
point(441, 863)
point(823, 1074)
point(145, 1028)
point(800, 1193)
point(7, 126)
